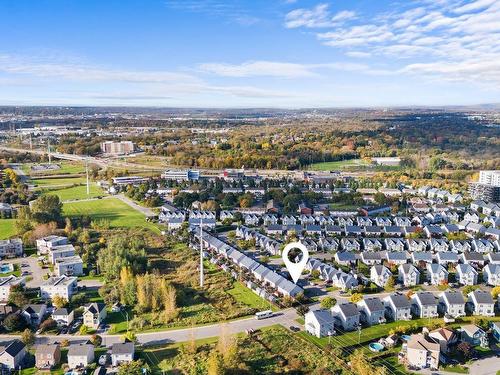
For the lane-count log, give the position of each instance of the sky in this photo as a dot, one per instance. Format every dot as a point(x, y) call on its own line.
point(249, 53)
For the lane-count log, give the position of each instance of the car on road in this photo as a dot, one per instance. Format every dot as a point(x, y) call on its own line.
point(294, 329)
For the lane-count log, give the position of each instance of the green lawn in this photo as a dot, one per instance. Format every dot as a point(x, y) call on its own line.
point(75, 192)
point(7, 228)
point(342, 164)
point(67, 167)
point(242, 294)
point(42, 182)
point(119, 214)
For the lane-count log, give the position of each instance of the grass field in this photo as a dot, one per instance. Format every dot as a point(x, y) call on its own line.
point(67, 167)
point(242, 294)
point(58, 181)
point(342, 164)
point(119, 214)
point(75, 192)
point(7, 228)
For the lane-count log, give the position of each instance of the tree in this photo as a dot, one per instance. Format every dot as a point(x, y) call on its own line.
point(59, 302)
point(468, 289)
point(48, 324)
point(17, 296)
point(356, 297)
point(122, 251)
point(328, 302)
point(130, 337)
point(169, 302)
point(47, 208)
point(389, 285)
point(495, 292)
point(215, 365)
point(14, 322)
point(465, 349)
point(131, 368)
point(83, 330)
point(96, 340)
point(28, 337)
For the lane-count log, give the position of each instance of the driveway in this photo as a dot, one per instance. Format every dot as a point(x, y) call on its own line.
point(36, 272)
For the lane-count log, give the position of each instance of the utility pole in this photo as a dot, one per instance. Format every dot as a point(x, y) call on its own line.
point(48, 150)
point(87, 172)
point(201, 253)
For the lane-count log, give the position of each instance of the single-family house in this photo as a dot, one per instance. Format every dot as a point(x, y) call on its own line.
point(80, 355)
point(436, 274)
point(47, 356)
point(122, 353)
point(424, 305)
point(466, 274)
point(12, 355)
point(320, 323)
point(379, 275)
point(408, 275)
point(452, 303)
point(347, 315)
point(372, 311)
point(397, 307)
point(94, 314)
point(481, 303)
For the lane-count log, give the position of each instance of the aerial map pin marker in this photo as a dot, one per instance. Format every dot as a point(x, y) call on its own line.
point(295, 268)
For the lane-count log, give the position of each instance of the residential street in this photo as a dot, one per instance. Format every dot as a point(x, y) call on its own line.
point(286, 318)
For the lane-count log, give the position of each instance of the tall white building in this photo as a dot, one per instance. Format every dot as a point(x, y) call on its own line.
point(489, 178)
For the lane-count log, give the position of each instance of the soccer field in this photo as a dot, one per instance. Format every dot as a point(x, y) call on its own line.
point(119, 214)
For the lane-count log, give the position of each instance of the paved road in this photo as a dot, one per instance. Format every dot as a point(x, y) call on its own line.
point(144, 210)
point(286, 317)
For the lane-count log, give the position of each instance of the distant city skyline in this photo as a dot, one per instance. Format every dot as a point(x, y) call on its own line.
point(259, 53)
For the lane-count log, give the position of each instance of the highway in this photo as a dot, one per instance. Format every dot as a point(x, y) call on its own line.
point(106, 163)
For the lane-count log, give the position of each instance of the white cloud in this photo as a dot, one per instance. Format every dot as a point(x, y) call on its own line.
point(281, 69)
point(455, 39)
point(258, 68)
point(317, 17)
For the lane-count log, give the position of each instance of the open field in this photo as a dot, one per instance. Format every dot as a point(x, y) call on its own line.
point(119, 214)
point(41, 182)
point(342, 164)
point(75, 192)
point(67, 167)
point(271, 350)
point(7, 228)
point(153, 161)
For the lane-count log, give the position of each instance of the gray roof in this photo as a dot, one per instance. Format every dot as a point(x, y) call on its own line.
point(426, 298)
point(123, 348)
point(323, 316)
point(80, 350)
point(373, 304)
point(454, 298)
point(348, 309)
point(482, 297)
point(422, 255)
point(346, 256)
point(400, 301)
